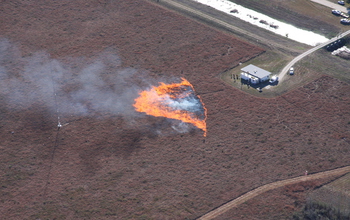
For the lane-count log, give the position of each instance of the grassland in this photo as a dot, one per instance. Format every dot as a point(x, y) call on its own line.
point(273, 60)
point(310, 68)
point(300, 13)
point(331, 201)
point(106, 165)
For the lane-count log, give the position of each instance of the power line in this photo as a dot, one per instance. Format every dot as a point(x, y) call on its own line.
point(59, 125)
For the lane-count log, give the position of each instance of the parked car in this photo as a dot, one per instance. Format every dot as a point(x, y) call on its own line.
point(273, 79)
point(345, 21)
point(344, 15)
point(291, 71)
point(341, 2)
point(336, 12)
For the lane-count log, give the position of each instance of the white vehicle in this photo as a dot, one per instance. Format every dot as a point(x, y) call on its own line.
point(273, 79)
point(345, 21)
point(344, 15)
point(291, 71)
point(336, 12)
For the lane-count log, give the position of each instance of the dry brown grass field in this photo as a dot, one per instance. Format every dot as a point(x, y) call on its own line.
point(110, 162)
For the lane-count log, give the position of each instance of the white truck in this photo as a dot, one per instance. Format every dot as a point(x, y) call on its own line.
point(273, 79)
point(291, 71)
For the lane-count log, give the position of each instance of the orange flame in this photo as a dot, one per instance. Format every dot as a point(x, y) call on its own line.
point(175, 101)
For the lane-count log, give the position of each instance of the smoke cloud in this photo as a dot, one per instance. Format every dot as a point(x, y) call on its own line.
point(79, 86)
point(95, 86)
point(190, 104)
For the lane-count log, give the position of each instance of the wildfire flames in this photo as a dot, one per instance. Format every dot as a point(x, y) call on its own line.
point(175, 101)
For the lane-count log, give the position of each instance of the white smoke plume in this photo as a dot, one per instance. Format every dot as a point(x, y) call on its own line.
point(181, 127)
point(95, 86)
point(190, 104)
point(79, 86)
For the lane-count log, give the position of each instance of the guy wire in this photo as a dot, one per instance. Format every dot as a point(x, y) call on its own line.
point(56, 143)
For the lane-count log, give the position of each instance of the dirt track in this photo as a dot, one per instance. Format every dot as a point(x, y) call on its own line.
point(301, 56)
point(253, 193)
point(220, 21)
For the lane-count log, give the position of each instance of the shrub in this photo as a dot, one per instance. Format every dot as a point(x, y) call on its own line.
point(320, 211)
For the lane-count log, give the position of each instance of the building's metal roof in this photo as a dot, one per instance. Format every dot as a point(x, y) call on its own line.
point(255, 71)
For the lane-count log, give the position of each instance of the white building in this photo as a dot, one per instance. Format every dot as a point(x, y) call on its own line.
point(254, 74)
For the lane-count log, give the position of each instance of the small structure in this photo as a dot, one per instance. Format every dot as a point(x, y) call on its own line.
point(254, 74)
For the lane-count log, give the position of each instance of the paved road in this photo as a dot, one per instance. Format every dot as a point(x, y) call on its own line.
point(301, 56)
point(331, 5)
point(251, 194)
